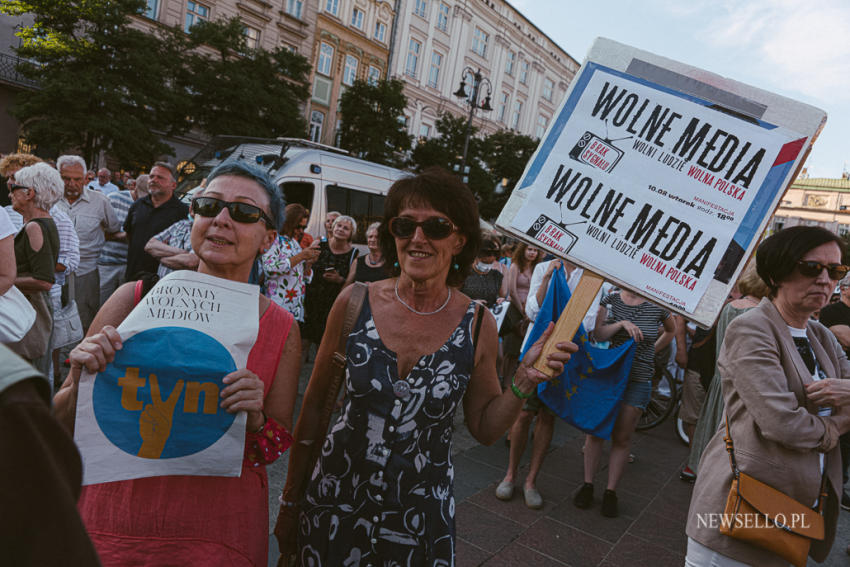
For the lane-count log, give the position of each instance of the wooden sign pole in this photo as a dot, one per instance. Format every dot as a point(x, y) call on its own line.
point(570, 319)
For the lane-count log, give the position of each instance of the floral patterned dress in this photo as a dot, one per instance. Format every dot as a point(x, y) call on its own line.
point(382, 490)
point(284, 284)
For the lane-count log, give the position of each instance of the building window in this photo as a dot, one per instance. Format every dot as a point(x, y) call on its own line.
point(357, 18)
point(503, 106)
point(412, 57)
point(316, 121)
point(479, 42)
point(523, 72)
point(322, 90)
point(843, 230)
point(294, 7)
point(350, 73)
point(195, 12)
point(443, 17)
point(151, 9)
point(510, 63)
point(380, 31)
point(374, 75)
point(434, 72)
point(420, 7)
point(332, 7)
point(516, 114)
point(542, 124)
point(326, 57)
point(424, 131)
point(548, 87)
point(252, 37)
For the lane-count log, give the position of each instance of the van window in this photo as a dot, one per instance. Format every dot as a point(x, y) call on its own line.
point(363, 207)
point(300, 192)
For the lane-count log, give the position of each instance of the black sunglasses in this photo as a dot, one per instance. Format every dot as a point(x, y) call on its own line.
point(240, 212)
point(812, 269)
point(434, 228)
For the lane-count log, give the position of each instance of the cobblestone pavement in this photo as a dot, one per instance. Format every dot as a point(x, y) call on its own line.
point(649, 532)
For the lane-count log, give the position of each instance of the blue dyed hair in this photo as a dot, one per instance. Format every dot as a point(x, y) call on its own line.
point(241, 169)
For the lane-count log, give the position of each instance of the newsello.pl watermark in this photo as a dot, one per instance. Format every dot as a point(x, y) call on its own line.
point(715, 520)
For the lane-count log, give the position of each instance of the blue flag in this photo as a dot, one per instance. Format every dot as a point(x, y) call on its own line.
point(588, 393)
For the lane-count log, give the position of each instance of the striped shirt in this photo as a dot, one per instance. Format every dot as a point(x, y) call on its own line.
point(647, 316)
point(178, 235)
point(114, 253)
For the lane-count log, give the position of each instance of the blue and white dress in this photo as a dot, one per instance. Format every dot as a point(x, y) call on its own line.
point(382, 490)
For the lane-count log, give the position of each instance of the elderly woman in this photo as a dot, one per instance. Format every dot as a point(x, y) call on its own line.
point(783, 429)
point(203, 520)
point(370, 267)
point(286, 266)
point(329, 273)
point(33, 191)
point(381, 491)
point(486, 283)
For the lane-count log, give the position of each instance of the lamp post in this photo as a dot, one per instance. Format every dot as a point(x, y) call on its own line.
point(472, 99)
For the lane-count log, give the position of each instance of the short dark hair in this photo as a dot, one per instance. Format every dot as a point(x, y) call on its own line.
point(489, 242)
point(294, 213)
point(436, 188)
point(778, 255)
point(242, 169)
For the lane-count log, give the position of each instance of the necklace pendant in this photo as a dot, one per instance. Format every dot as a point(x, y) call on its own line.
point(401, 389)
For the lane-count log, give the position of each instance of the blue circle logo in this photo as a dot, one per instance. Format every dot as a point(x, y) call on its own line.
point(160, 397)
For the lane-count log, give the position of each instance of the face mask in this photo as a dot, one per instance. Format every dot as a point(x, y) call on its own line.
point(482, 267)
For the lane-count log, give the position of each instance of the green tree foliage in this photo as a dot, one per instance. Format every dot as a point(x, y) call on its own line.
point(241, 91)
point(106, 86)
point(371, 121)
point(102, 82)
point(492, 159)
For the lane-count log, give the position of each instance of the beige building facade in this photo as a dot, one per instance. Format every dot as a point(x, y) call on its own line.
point(815, 202)
point(436, 40)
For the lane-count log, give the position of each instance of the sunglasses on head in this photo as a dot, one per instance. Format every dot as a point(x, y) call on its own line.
point(240, 212)
point(812, 269)
point(434, 228)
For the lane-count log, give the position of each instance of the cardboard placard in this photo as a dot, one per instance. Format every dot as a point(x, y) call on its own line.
point(660, 176)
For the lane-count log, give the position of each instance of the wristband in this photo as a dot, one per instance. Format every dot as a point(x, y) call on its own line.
point(517, 392)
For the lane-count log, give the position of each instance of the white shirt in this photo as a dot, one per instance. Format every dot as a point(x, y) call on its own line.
point(110, 187)
point(6, 226)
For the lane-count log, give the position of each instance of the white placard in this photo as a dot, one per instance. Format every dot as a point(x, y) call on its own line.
point(660, 176)
point(156, 409)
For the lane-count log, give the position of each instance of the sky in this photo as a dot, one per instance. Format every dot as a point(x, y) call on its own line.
point(800, 50)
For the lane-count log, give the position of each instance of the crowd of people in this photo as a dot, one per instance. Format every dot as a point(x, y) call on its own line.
point(81, 249)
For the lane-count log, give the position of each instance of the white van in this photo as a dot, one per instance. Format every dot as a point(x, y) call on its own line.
point(322, 178)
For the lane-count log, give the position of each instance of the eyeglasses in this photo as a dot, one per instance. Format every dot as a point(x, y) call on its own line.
point(434, 228)
point(489, 252)
point(14, 187)
point(240, 212)
point(812, 269)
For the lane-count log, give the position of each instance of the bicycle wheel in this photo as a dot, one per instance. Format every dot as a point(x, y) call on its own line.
point(662, 402)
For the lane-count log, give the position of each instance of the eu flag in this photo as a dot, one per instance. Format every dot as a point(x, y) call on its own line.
point(587, 395)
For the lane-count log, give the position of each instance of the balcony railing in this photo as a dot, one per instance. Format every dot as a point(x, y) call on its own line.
point(9, 71)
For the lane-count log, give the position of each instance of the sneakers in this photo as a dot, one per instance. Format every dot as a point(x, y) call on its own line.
point(583, 497)
point(845, 504)
point(687, 474)
point(505, 490)
point(532, 498)
point(609, 504)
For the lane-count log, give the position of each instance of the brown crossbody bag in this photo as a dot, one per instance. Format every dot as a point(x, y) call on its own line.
point(768, 518)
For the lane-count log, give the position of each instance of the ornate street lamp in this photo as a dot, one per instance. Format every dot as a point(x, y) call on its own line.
point(472, 98)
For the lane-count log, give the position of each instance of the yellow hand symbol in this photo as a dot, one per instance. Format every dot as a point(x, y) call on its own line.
point(155, 420)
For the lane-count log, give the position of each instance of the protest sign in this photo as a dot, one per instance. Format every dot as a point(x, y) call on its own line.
point(155, 410)
point(660, 176)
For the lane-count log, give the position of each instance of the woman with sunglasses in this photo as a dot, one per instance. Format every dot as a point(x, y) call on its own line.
point(776, 365)
point(329, 273)
point(381, 491)
point(287, 267)
point(485, 282)
point(203, 520)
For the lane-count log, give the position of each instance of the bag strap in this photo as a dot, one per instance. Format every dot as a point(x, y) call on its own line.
point(138, 292)
point(479, 312)
point(338, 360)
point(730, 448)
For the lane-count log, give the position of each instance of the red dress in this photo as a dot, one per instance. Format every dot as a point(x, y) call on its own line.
point(191, 520)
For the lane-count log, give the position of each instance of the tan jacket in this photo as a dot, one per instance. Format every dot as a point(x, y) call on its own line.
point(778, 436)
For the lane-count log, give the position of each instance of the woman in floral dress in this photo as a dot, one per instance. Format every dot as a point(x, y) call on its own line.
point(286, 266)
